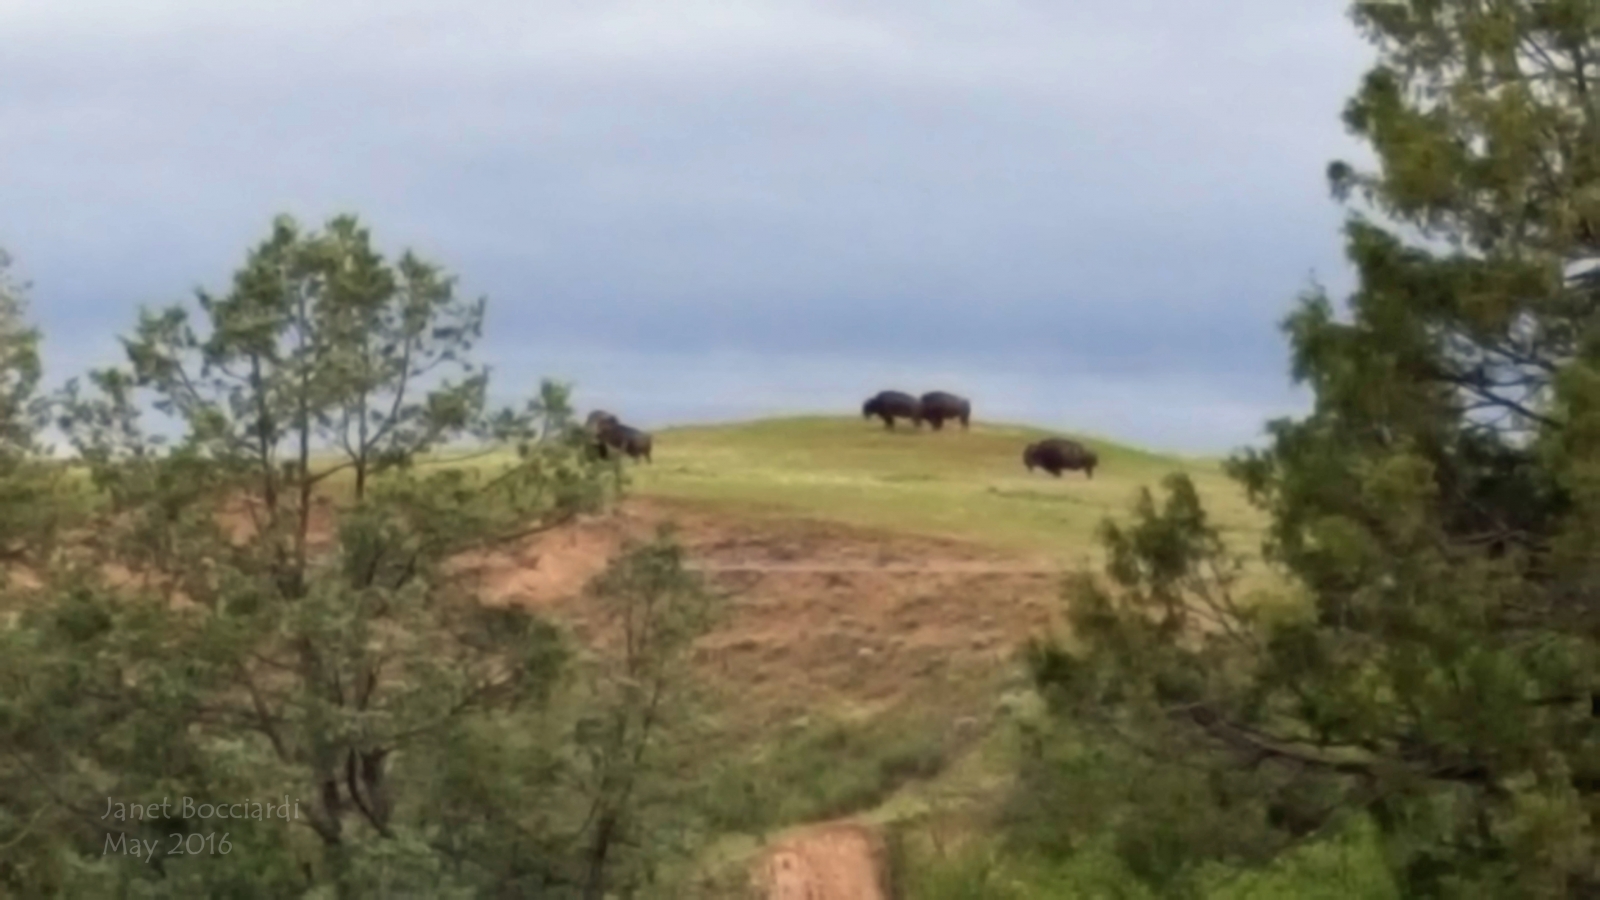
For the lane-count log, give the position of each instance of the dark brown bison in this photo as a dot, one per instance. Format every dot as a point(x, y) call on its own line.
point(891, 405)
point(1056, 455)
point(595, 425)
point(937, 406)
point(635, 443)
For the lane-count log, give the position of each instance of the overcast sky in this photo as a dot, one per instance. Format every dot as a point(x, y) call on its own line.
point(1089, 216)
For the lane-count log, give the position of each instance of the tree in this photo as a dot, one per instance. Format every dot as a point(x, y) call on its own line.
point(284, 601)
point(1437, 513)
point(596, 790)
point(19, 363)
point(30, 491)
point(36, 503)
point(657, 609)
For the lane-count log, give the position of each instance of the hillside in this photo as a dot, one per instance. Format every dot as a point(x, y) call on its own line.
point(880, 584)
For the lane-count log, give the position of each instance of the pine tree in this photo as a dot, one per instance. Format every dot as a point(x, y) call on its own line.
point(1436, 515)
point(283, 601)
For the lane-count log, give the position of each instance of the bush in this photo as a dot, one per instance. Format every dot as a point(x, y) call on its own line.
point(829, 770)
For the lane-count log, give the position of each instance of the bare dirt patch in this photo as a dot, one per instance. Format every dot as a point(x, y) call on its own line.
point(835, 861)
point(819, 613)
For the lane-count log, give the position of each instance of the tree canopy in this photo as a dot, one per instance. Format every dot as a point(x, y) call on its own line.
point(1432, 663)
point(282, 605)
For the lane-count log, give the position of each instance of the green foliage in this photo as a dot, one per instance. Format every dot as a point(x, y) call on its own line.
point(635, 745)
point(1349, 864)
point(825, 770)
point(1436, 513)
point(221, 626)
point(36, 500)
point(592, 790)
point(19, 363)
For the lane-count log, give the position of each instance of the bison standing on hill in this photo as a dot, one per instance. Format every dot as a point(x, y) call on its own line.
point(938, 406)
point(635, 443)
point(891, 405)
point(609, 432)
point(1056, 455)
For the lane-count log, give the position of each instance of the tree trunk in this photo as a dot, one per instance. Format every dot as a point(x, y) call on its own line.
point(594, 887)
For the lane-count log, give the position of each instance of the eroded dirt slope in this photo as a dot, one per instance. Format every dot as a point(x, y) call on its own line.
point(819, 613)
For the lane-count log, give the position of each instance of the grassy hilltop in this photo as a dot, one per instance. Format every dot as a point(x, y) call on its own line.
point(968, 485)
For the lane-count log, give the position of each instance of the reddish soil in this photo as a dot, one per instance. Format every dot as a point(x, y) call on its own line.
point(837, 861)
point(819, 613)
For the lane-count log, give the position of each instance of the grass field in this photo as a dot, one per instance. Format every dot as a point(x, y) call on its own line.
point(968, 485)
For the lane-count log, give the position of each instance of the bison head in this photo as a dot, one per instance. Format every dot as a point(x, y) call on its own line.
point(869, 408)
point(1029, 454)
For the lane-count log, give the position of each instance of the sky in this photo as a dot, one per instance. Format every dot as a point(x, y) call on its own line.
point(1090, 217)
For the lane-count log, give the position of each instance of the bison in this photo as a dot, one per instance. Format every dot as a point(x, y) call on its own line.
point(635, 443)
point(891, 405)
point(937, 406)
point(1056, 455)
point(596, 425)
point(600, 419)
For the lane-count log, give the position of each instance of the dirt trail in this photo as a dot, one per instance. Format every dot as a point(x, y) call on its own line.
point(836, 861)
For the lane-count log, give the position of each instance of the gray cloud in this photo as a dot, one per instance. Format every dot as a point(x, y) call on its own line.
point(1110, 201)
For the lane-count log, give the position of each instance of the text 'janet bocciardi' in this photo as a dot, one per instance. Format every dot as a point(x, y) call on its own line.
point(188, 808)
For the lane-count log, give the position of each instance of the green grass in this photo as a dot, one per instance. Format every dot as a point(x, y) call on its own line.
point(1348, 865)
point(825, 770)
point(969, 485)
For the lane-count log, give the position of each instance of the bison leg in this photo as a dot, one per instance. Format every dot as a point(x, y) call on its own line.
point(936, 423)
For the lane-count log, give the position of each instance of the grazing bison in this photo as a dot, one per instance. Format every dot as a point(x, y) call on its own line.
point(1056, 455)
point(599, 419)
point(635, 443)
point(891, 405)
point(938, 406)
